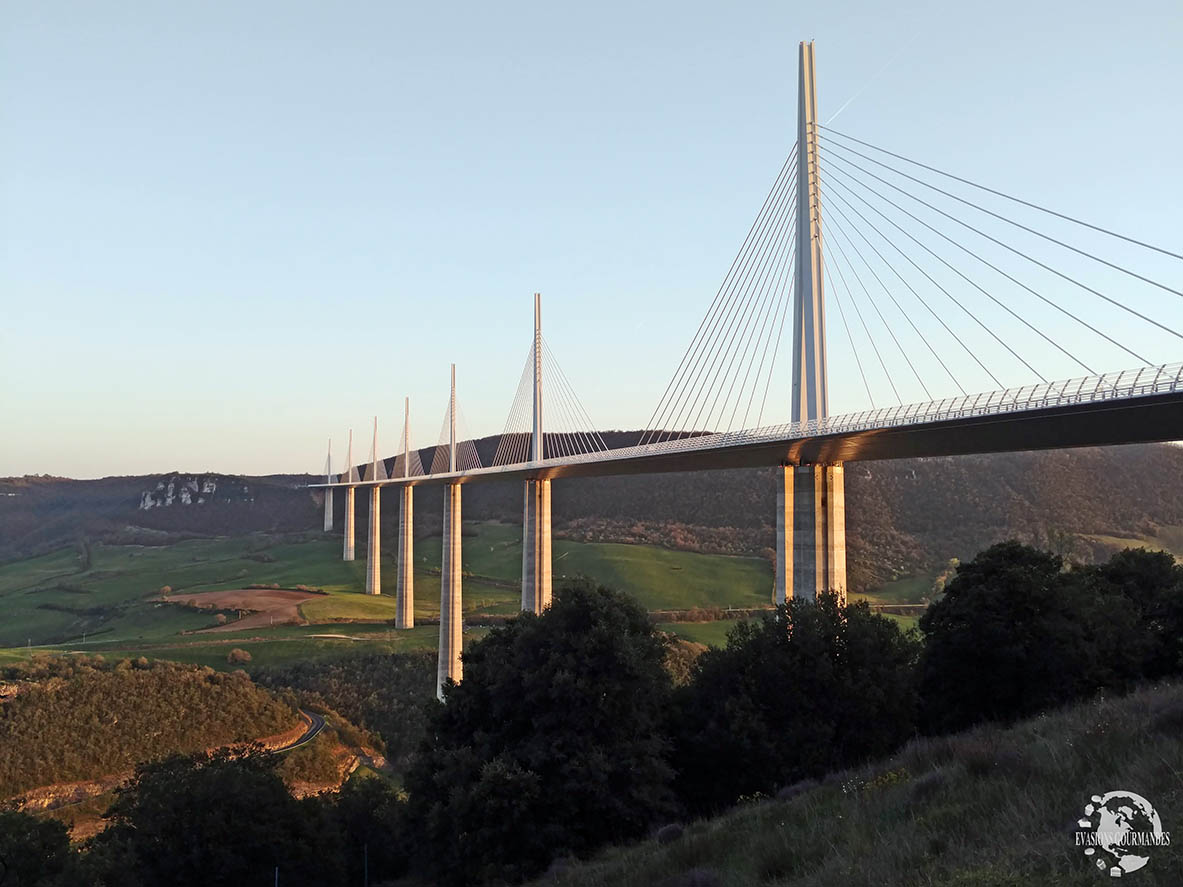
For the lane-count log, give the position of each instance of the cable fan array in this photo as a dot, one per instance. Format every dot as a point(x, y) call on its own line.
point(467, 458)
point(733, 354)
point(942, 286)
point(568, 430)
point(401, 468)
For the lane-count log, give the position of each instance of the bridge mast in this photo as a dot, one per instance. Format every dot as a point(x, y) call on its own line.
point(536, 547)
point(810, 499)
point(329, 490)
point(810, 394)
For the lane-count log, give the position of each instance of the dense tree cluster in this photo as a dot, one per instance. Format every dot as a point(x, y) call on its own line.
point(216, 820)
point(82, 718)
point(1016, 633)
point(553, 743)
point(809, 689)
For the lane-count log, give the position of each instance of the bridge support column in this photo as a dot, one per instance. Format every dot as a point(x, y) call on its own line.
point(404, 613)
point(810, 532)
point(349, 497)
point(536, 558)
point(451, 601)
point(328, 509)
point(374, 550)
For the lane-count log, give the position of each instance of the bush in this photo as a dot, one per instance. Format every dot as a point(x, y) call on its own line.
point(550, 746)
point(33, 852)
point(218, 819)
point(1015, 634)
point(811, 688)
point(238, 657)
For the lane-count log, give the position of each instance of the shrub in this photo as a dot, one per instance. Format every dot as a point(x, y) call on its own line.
point(238, 657)
point(1015, 634)
point(810, 688)
point(557, 722)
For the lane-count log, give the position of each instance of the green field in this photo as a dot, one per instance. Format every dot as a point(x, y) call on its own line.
point(111, 607)
point(51, 603)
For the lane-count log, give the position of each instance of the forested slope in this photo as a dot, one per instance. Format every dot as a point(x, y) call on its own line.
point(80, 718)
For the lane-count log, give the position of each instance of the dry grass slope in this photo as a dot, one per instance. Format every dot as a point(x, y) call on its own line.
point(988, 808)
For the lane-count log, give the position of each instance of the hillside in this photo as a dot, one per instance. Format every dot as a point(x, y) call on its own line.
point(904, 517)
point(40, 514)
point(987, 808)
point(65, 720)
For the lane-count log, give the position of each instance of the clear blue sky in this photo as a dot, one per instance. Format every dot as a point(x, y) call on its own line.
point(231, 230)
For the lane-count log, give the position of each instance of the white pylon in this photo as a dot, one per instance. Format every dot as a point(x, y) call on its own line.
point(374, 549)
point(329, 490)
point(404, 607)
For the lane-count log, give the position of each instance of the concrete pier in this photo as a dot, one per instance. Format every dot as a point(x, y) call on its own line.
point(328, 509)
point(810, 531)
point(536, 559)
point(404, 611)
point(374, 550)
point(451, 600)
point(349, 503)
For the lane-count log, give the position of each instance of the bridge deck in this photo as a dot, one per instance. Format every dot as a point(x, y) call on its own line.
point(1139, 406)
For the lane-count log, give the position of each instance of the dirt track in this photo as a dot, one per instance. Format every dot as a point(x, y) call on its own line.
point(267, 606)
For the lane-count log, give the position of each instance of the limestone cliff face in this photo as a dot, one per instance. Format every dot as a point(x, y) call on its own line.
point(195, 489)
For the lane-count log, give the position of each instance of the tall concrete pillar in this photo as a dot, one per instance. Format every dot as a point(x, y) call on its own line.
point(536, 559)
point(328, 509)
point(374, 550)
point(404, 612)
point(349, 476)
point(404, 601)
point(451, 600)
point(810, 532)
point(349, 503)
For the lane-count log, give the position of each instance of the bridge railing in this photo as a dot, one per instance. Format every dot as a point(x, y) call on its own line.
point(1088, 389)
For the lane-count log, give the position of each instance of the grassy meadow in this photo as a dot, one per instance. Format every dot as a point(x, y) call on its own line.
point(112, 606)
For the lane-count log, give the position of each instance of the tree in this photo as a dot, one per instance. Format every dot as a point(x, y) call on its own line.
point(551, 745)
point(1015, 634)
point(1150, 583)
point(813, 687)
point(371, 820)
point(218, 819)
point(33, 852)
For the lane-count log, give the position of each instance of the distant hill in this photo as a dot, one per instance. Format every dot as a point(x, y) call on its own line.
point(39, 514)
point(903, 517)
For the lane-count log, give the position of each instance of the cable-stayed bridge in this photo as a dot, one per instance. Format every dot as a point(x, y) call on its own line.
point(947, 293)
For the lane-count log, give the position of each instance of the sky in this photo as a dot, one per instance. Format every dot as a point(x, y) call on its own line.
point(231, 231)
